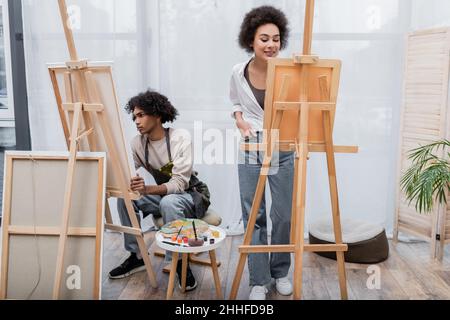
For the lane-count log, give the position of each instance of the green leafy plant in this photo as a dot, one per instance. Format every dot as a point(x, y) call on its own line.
point(428, 178)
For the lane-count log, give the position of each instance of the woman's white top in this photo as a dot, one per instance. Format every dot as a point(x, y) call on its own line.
point(243, 99)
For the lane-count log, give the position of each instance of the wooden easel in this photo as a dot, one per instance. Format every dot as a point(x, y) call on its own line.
point(84, 105)
point(302, 122)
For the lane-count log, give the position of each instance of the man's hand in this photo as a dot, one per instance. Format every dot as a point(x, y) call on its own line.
point(138, 185)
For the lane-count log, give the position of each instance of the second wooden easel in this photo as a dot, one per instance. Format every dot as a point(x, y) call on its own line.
point(300, 119)
point(84, 105)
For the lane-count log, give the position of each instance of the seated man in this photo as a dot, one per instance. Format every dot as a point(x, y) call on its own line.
point(167, 155)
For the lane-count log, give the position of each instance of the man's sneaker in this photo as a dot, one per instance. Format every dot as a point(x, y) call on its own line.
point(128, 267)
point(284, 286)
point(191, 283)
point(258, 293)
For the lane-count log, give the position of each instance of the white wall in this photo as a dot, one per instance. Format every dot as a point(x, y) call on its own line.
point(428, 14)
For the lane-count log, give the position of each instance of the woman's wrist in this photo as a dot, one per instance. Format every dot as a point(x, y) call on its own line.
point(241, 124)
point(238, 116)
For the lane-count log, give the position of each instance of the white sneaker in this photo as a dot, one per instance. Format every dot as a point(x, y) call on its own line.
point(258, 293)
point(284, 286)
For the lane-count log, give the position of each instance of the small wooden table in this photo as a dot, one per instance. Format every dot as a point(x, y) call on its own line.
point(185, 251)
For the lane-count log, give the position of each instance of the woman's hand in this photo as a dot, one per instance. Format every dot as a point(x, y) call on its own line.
point(245, 127)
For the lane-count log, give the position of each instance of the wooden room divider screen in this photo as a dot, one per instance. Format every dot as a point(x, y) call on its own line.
point(425, 118)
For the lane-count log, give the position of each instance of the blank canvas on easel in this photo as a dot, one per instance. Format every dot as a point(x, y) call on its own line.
point(33, 202)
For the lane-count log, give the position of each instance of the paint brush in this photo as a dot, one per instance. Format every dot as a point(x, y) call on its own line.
point(195, 231)
point(195, 242)
point(174, 244)
point(179, 231)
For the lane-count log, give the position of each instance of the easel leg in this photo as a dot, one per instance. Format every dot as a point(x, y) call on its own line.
point(299, 221)
point(342, 275)
point(294, 200)
point(173, 271)
point(335, 202)
point(238, 275)
point(67, 200)
point(108, 215)
point(300, 197)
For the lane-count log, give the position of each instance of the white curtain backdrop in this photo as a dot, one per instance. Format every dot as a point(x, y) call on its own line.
point(186, 49)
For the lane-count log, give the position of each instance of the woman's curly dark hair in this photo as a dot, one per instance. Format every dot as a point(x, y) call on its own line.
point(258, 17)
point(153, 104)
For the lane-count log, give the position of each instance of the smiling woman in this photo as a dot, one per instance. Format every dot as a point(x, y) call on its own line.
point(264, 32)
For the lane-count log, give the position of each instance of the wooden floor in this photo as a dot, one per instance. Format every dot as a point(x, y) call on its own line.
point(409, 273)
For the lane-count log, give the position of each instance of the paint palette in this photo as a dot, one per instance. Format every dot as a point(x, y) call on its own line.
point(172, 228)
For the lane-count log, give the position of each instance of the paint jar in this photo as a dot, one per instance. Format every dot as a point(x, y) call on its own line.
point(196, 242)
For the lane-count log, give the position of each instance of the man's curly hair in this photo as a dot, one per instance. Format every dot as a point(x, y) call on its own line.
point(258, 17)
point(153, 104)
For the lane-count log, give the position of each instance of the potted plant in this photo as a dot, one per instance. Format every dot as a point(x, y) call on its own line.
point(428, 179)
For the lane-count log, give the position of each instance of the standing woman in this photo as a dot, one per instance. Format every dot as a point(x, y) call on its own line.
point(264, 32)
